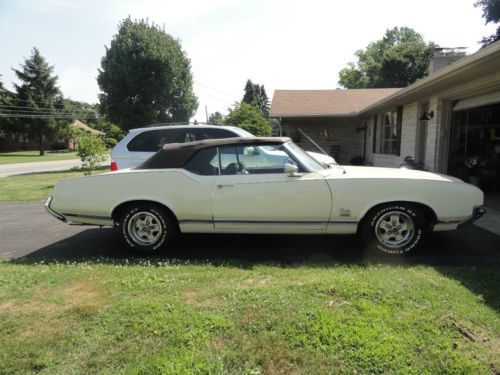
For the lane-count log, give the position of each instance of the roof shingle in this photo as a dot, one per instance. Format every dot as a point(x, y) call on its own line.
point(339, 102)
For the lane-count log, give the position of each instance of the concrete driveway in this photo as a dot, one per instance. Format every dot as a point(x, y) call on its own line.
point(26, 230)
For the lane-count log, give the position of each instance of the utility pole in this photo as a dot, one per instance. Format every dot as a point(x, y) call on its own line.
point(206, 113)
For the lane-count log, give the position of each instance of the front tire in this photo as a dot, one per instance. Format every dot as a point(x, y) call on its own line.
point(394, 229)
point(147, 228)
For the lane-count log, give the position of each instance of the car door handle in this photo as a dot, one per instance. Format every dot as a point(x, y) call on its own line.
point(222, 186)
point(295, 174)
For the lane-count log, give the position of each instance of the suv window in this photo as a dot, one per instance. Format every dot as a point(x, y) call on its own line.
point(153, 140)
point(206, 133)
point(205, 162)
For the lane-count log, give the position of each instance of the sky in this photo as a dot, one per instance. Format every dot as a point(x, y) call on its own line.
point(282, 44)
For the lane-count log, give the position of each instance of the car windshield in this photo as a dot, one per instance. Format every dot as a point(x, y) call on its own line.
point(304, 158)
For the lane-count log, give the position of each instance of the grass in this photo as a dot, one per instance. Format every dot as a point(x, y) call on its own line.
point(172, 317)
point(35, 186)
point(34, 156)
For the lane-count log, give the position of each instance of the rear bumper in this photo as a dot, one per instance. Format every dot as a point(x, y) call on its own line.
point(477, 213)
point(52, 212)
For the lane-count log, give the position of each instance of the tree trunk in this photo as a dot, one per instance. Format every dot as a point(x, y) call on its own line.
point(40, 144)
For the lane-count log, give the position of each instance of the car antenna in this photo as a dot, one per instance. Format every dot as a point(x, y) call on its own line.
point(318, 146)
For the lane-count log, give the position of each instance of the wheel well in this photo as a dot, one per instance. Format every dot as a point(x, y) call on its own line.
point(119, 210)
point(430, 215)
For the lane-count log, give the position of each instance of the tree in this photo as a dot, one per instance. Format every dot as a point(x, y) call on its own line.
point(6, 103)
point(145, 77)
point(255, 94)
point(397, 60)
point(216, 118)
point(491, 13)
point(38, 92)
point(111, 130)
point(87, 112)
point(248, 117)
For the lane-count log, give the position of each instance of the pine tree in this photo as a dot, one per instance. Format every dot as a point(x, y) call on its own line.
point(5, 105)
point(38, 91)
point(255, 94)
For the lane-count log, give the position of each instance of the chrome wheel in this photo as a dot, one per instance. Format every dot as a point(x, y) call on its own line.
point(395, 229)
point(144, 228)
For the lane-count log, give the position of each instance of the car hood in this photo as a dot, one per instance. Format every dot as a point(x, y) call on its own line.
point(322, 158)
point(386, 173)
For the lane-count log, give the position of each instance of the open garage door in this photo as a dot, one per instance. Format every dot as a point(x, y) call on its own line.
point(475, 143)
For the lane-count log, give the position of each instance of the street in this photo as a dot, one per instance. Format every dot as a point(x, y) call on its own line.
point(26, 230)
point(39, 166)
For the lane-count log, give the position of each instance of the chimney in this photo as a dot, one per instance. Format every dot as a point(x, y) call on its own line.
point(444, 56)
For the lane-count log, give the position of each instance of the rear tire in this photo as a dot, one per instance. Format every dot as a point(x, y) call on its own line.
point(147, 228)
point(394, 229)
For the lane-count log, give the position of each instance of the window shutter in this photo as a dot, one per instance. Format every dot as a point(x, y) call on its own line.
point(399, 125)
point(375, 134)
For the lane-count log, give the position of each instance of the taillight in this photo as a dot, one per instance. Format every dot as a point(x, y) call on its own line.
point(114, 166)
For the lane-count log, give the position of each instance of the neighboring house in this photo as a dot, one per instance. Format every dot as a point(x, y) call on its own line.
point(70, 143)
point(452, 114)
point(22, 142)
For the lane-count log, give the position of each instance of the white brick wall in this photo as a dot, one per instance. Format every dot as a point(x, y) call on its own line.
point(343, 131)
point(408, 139)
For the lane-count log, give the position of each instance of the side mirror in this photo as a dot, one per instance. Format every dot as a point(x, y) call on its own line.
point(291, 168)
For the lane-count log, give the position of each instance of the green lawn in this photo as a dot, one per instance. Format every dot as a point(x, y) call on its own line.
point(34, 156)
point(177, 317)
point(35, 186)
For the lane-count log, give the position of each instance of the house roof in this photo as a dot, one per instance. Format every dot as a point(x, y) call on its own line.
point(339, 102)
point(331, 103)
point(81, 125)
point(480, 64)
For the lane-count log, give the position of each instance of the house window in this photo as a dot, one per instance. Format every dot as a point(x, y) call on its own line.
point(390, 131)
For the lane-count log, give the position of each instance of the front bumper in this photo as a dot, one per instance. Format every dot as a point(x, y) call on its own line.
point(477, 213)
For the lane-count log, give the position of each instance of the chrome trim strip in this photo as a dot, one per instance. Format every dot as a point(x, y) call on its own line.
point(190, 221)
point(93, 217)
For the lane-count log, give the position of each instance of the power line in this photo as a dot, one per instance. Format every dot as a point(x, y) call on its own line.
point(35, 101)
point(215, 89)
point(45, 116)
point(40, 110)
point(46, 113)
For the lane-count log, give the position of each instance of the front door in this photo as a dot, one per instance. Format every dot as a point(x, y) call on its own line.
point(254, 193)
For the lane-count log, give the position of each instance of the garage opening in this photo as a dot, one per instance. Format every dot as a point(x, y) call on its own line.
point(475, 145)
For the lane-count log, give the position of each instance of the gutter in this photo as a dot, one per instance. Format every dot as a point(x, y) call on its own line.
point(450, 70)
point(457, 67)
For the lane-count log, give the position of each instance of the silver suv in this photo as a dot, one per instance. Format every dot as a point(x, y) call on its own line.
point(139, 144)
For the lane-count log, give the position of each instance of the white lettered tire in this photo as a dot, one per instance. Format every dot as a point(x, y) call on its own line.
point(394, 228)
point(147, 228)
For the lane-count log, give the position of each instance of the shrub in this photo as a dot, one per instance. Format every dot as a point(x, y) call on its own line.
point(92, 151)
point(110, 142)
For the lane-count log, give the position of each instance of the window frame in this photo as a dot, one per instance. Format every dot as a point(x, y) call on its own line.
point(380, 131)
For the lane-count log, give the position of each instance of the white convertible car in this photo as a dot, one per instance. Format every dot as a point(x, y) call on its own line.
point(264, 185)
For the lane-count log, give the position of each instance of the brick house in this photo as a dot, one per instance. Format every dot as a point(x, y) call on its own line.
point(440, 120)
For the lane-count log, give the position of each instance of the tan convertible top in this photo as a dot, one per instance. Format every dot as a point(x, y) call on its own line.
point(175, 155)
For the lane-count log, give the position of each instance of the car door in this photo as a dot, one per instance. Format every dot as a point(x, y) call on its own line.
point(253, 193)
